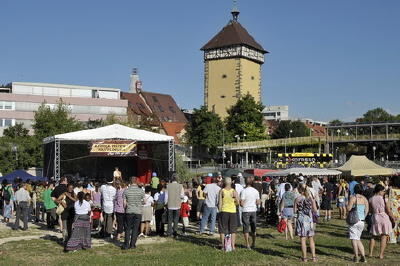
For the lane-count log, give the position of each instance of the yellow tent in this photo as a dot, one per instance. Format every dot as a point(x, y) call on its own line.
point(362, 166)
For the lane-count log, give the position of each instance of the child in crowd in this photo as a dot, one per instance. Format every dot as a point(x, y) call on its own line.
point(147, 215)
point(185, 213)
point(7, 211)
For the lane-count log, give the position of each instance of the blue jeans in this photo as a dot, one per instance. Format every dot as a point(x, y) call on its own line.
point(208, 211)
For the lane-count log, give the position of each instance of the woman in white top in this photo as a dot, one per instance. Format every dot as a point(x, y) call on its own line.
point(147, 214)
point(80, 238)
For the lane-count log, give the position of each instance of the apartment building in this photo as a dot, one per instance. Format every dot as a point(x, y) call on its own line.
point(20, 100)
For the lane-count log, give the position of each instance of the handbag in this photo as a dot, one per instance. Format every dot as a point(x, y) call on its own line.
point(281, 226)
point(60, 207)
point(315, 217)
point(352, 217)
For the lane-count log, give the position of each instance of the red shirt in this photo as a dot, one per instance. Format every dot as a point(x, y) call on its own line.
point(185, 210)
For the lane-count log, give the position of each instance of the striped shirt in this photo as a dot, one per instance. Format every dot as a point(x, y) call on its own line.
point(134, 197)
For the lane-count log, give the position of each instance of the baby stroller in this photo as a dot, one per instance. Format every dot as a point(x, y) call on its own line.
point(97, 218)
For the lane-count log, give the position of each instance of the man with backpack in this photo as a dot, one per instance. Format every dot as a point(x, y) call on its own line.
point(8, 195)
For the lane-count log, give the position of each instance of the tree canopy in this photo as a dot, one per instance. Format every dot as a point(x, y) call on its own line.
point(52, 121)
point(245, 117)
point(298, 129)
point(377, 115)
point(205, 129)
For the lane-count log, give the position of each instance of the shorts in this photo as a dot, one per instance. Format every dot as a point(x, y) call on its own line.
point(249, 221)
point(227, 223)
point(341, 202)
point(200, 204)
point(356, 230)
point(287, 213)
point(326, 204)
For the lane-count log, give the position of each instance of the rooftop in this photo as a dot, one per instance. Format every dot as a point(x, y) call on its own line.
point(66, 86)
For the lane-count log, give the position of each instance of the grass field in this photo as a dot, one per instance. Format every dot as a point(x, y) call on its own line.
point(333, 248)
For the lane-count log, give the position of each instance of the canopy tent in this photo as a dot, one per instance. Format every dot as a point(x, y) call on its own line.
point(359, 165)
point(161, 145)
point(115, 131)
point(305, 172)
point(21, 174)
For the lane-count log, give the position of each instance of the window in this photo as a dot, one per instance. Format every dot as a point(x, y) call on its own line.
point(279, 113)
point(154, 99)
point(7, 122)
point(224, 76)
point(7, 105)
point(161, 108)
point(252, 77)
point(223, 96)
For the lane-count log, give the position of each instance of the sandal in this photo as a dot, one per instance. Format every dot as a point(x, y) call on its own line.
point(304, 259)
point(314, 259)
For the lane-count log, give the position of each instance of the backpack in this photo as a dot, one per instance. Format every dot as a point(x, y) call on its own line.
point(6, 194)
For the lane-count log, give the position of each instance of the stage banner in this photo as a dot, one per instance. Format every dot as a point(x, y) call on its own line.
point(113, 148)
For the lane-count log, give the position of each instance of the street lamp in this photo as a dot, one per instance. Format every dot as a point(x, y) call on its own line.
point(191, 153)
point(244, 137)
point(14, 148)
point(290, 133)
point(374, 149)
point(237, 154)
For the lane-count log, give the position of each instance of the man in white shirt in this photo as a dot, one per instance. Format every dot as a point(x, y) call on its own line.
point(317, 187)
point(211, 192)
point(239, 188)
point(249, 200)
point(22, 200)
point(108, 193)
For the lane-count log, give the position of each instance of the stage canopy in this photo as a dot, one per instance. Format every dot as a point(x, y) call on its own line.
point(83, 147)
point(304, 172)
point(115, 131)
point(359, 165)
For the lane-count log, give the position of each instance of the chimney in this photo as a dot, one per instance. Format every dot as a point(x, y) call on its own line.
point(136, 84)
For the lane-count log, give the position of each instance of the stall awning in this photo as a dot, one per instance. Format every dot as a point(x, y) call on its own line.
point(115, 131)
point(361, 166)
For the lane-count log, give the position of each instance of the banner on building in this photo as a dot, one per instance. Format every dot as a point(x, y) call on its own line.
point(116, 148)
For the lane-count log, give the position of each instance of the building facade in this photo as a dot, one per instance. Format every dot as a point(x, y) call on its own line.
point(19, 102)
point(276, 112)
point(232, 67)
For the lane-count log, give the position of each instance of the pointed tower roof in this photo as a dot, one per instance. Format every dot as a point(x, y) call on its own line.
point(233, 34)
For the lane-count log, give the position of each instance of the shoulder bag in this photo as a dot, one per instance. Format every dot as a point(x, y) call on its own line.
point(352, 217)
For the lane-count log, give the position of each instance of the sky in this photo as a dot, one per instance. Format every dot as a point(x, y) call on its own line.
point(328, 59)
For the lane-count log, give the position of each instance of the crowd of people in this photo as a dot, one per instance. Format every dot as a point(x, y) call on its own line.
point(118, 210)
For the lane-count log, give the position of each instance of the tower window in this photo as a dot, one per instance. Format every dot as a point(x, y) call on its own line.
point(222, 96)
point(252, 77)
point(224, 76)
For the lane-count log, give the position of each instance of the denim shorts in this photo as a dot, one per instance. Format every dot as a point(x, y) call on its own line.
point(249, 221)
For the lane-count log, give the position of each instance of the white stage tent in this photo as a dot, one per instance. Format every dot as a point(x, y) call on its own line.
point(111, 132)
point(304, 172)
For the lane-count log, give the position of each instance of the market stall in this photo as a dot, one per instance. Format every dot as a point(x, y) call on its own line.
point(360, 165)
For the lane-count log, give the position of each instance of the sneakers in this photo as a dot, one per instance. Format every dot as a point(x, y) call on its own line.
point(355, 259)
point(141, 235)
point(363, 259)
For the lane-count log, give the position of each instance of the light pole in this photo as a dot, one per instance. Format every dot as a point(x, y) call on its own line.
point(374, 149)
point(223, 146)
point(338, 132)
point(191, 153)
point(14, 148)
point(237, 154)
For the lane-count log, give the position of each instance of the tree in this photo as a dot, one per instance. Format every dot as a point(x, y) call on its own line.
point(298, 129)
point(376, 115)
point(50, 122)
point(335, 122)
point(16, 131)
point(18, 149)
point(205, 129)
point(245, 117)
